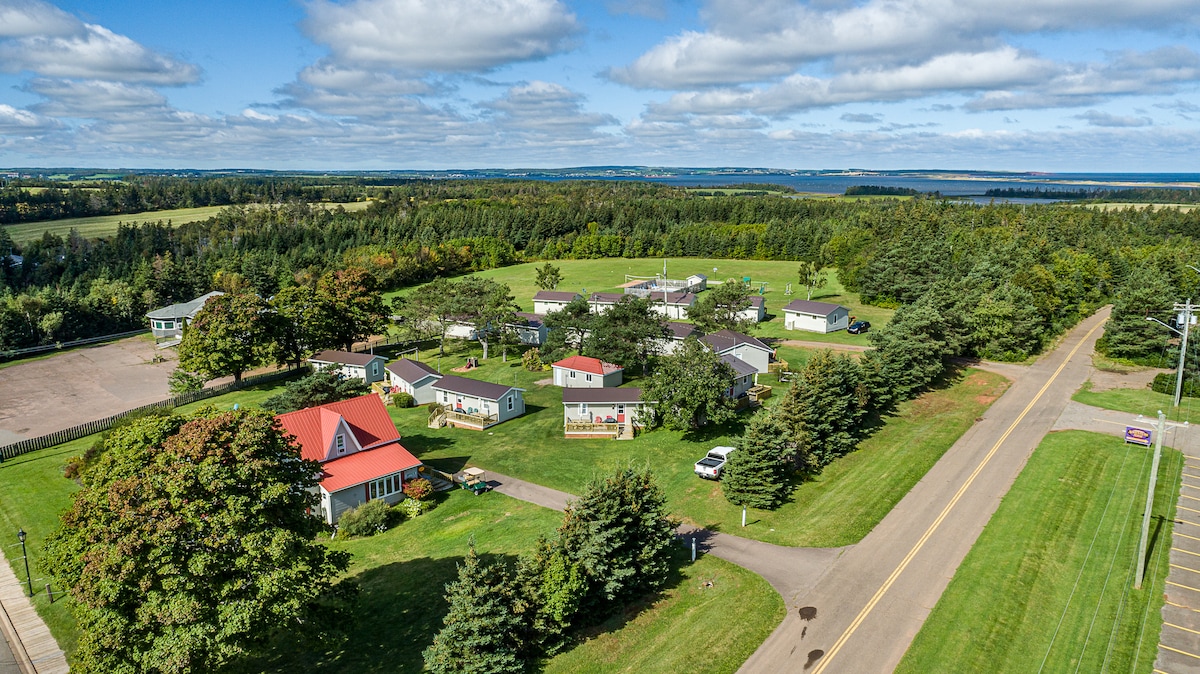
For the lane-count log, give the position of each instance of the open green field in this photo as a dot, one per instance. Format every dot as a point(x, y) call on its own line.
point(837, 508)
point(1048, 585)
point(403, 571)
point(105, 225)
point(604, 275)
point(1140, 401)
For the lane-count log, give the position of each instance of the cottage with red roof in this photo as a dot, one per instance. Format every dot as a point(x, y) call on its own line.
point(359, 450)
point(365, 366)
point(585, 372)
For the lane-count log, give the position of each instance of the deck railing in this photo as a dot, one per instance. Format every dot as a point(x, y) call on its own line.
point(473, 418)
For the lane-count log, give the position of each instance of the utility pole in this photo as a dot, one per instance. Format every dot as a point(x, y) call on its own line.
point(1159, 429)
point(1184, 311)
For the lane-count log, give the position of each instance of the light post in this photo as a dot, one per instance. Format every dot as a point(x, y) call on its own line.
point(25, 556)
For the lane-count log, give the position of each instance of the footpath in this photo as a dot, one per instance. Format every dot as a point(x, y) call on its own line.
point(30, 647)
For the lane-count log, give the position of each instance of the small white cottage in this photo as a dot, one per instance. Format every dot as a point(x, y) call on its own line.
point(815, 316)
point(414, 378)
point(602, 412)
point(742, 347)
point(365, 366)
point(475, 404)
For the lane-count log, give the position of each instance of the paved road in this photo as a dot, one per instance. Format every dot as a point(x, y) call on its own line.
point(8, 662)
point(867, 608)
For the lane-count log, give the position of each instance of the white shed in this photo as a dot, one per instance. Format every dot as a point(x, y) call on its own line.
point(815, 316)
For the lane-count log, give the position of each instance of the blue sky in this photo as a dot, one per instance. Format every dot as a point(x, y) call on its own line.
point(1034, 85)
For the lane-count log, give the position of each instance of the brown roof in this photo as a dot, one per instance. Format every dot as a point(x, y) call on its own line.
point(411, 371)
point(756, 301)
point(723, 340)
point(607, 298)
point(674, 298)
point(555, 296)
point(681, 330)
point(473, 387)
point(812, 308)
point(532, 320)
point(602, 395)
point(740, 367)
point(344, 358)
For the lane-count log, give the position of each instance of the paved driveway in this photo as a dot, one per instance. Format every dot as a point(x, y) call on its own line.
point(80, 385)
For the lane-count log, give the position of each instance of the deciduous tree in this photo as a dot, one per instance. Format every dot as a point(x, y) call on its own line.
point(688, 387)
point(566, 329)
point(548, 277)
point(720, 307)
point(230, 335)
point(355, 307)
point(191, 544)
point(627, 334)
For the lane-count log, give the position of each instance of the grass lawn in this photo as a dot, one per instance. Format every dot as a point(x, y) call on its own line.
point(837, 508)
point(1048, 585)
point(604, 275)
point(1140, 401)
point(105, 225)
point(403, 572)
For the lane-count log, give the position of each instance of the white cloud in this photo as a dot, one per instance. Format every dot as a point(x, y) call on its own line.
point(93, 98)
point(22, 122)
point(1097, 118)
point(22, 18)
point(434, 35)
point(756, 40)
point(546, 113)
point(93, 52)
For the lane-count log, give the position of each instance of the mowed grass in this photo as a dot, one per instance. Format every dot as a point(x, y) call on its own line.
point(403, 572)
point(604, 275)
point(1140, 401)
point(1048, 585)
point(837, 508)
point(106, 225)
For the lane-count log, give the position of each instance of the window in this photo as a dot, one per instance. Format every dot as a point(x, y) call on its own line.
point(510, 402)
point(621, 409)
point(340, 443)
point(385, 486)
point(589, 377)
point(572, 374)
point(583, 408)
point(375, 369)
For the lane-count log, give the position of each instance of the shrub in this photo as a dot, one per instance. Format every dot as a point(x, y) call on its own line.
point(412, 507)
point(1164, 382)
point(182, 381)
point(368, 519)
point(317, 388)
point(403, 400)
point(419, 489)
point(532, 360)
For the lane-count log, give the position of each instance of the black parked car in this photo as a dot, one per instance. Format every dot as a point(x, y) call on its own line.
point(858, 327)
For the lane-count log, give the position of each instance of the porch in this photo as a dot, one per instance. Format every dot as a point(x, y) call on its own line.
point(469, 419)
point(586, 429)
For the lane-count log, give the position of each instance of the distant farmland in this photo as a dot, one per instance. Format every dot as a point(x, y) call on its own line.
point(104, 225)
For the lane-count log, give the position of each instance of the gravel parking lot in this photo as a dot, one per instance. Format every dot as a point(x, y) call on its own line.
point(83, 384)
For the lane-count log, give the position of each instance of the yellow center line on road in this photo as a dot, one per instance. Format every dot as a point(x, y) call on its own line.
point(887, 585)
point(1180, 627)
point(1176, 650)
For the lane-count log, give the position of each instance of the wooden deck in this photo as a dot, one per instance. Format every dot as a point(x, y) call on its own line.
point(36, 650)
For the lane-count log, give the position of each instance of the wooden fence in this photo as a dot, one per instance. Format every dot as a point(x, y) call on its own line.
point(101, 425)
point(15, 353)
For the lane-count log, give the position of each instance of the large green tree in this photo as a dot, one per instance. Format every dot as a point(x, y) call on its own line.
point(429, 310)
point(688, 387)
point(483, 632)
point(191, 544)
point(548, 277)
point(230, 335)
point(318, 388)
point(620, 534)
point(566, 329)
point(720, 306)
point(1147, 292)
point(829, 400)
point(628, 334)
point(355, 308)
point(301, 325)
point(488, 306)
point(909, 353)
point(756, 473)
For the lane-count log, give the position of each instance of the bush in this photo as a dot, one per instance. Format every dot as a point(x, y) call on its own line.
point(532, 360)
point(419, 489)
point(368, 519)
point(317, 388)
point(412, 507)
point(1164, 382)
point(403, 400)
point(182, 381)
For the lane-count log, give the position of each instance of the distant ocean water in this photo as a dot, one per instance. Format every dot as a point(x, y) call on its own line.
point(950, 184)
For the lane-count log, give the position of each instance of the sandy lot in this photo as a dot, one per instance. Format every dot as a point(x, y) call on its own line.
point(81, 385)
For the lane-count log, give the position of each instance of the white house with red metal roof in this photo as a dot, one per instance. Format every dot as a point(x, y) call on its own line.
point(586, 372)
point(815, 316)
point(359, 449)
point(365, 366)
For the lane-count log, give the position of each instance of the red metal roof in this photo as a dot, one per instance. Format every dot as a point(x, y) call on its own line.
point(588, 364)
point(361, 467)
point(314, 427)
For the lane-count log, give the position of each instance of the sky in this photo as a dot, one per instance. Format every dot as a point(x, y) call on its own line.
point(1020, 85)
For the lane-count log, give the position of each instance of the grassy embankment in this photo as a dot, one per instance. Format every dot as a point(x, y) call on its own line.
point(1048, 585)
point(604, 275)
point(105, 225)
point(1140, 401)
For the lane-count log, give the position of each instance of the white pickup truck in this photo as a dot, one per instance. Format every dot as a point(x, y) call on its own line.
point(710, 466)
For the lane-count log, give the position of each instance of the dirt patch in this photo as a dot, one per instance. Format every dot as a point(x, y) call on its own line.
point(545, 382)
point(82, 385)
point(1106, 381)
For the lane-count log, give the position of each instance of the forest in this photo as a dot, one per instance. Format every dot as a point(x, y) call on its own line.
point(1010, 276)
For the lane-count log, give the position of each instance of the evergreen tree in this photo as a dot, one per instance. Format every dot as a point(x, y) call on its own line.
point(688, 388)
point(318, 388)
point(482, 633)
point(1127, 334)
point(620, 534)
point(548, 277)
point(1006, 325)
point(909, 353)
point(755, 474)
point(829, 401)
